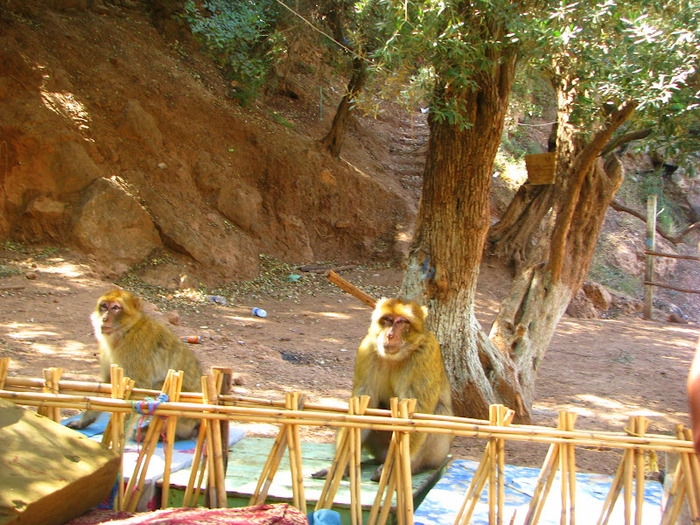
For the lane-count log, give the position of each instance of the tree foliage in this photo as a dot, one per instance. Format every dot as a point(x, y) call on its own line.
point(645, 52)
point(239, 35)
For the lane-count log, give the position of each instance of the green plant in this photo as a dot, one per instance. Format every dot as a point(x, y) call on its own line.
point(239, 36)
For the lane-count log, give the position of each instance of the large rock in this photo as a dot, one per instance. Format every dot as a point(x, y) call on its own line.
point(136, 123)
point(110, 224)
point(189, 227)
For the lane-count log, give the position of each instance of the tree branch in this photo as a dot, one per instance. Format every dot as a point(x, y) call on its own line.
point(673, 239)
point(624, 139)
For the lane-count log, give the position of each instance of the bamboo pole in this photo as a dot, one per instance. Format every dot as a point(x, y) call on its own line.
point(690, 490)
point(52, 376)
point(295, 401)
point(358, 406)
point(188, 500)
point(563, 456)
point(216, 491)
point(138, 478)
point(336, 471)
point(534, 434)
point(476, 486)
point(675, 499)
point(222, 379)
point(384, 483)
point(269, 469)
point(4, 366)
point(281, 443)
point(119, 387)
point(564, 471)
point(170, 424)
point(640, 468)
point(570, 421)
point(397, 471)
point(354, 466)
point(694, 469)
point(406, 407)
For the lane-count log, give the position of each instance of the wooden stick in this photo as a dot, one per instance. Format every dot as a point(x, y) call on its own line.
point(222, 378)
point(268, 472)
point(687, 476)
point(493, 466)
point(135, 488)
point(571, 420)
point(350, 288)
point(196, 459)
point(614, 492)
point(628, 476)
point(640, 467)
point(477, 484)
point(694, 467)
point(406, 476)
point(391, 489)
point(325, 500)
point(50, 387)
point(384, 480)
point(294, 401)
point(216, 491)
point(357, 405)
point(170, 438)
point(398, 470)
point(117, 429)
point(4, 366)
point(675, 498)
point(546, 477)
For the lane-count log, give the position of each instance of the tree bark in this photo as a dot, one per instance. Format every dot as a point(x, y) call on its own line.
point(444, 258)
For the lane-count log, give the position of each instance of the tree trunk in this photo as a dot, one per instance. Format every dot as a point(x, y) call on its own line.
point(529, 315)
point(333, 140)
point(522, 235)
point(522, 225)
point(444, 258)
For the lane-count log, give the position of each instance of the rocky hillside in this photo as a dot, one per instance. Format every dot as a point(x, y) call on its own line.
point(120, 140)
point(115, 142)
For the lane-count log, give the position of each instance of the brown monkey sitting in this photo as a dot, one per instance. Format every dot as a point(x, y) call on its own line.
point(400, 358)
point(145, 348)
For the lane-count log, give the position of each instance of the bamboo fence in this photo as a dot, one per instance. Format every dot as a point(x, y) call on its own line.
point(50, 395)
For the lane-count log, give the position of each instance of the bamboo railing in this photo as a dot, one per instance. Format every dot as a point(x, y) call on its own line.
point(50, 395)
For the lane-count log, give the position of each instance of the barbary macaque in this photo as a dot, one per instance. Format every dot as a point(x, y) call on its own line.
point(400, 358)
point(145, 348)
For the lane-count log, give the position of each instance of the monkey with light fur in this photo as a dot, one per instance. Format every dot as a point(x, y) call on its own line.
point(145, 348)
point(400, 358)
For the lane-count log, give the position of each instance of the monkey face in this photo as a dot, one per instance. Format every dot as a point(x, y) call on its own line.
point(111, 310)
point(394, 331)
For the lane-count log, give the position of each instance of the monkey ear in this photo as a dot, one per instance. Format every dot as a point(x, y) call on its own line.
point(136, 301)
point(425, 311)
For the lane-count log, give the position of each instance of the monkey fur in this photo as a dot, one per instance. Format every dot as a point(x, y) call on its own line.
point(145, 348)
point(400, 358)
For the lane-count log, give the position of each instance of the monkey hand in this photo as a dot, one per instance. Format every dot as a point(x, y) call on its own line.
point(320, 474)
point(87, 419)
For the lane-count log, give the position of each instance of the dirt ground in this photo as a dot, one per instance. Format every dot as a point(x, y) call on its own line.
point(604, 370)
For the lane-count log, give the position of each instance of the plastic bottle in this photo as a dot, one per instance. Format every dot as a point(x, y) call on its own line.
point(218, 299)
point(259, 312)
point(191, 339)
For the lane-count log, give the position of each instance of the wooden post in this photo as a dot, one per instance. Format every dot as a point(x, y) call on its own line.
point(650, 246)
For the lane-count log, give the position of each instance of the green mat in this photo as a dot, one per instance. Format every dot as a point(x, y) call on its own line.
point(247, 459)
